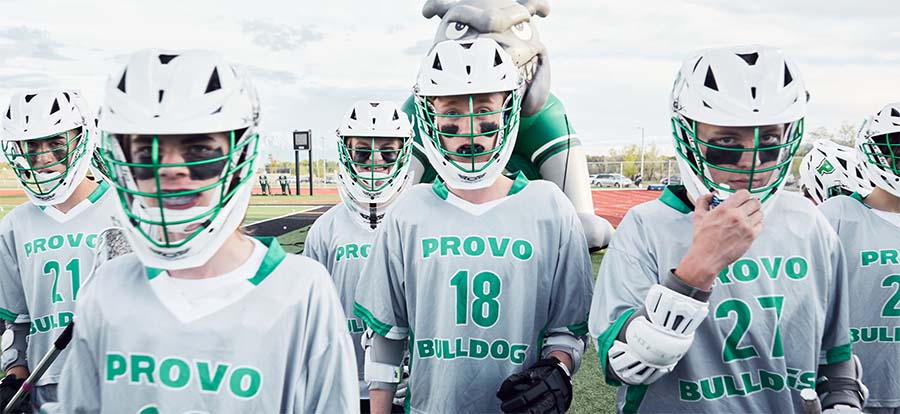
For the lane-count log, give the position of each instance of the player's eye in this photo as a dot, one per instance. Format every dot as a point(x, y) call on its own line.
point(724, 142)
point(142, 155)
point(390, 156)
point(202, 152)
point(360, 157)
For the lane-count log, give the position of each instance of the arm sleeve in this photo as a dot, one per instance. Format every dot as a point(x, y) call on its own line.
point(571, 289)
point(836, 337)
point(15, 354)
point(79, 387)
point(328, 381)
point(626, 275)
point(13, 307)
point(380, 294)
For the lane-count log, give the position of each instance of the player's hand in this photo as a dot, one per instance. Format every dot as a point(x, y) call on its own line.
point(9, 385)
point(545, 387)
point(721, 236)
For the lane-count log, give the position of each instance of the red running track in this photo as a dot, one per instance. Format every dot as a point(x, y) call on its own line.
point(613, 204)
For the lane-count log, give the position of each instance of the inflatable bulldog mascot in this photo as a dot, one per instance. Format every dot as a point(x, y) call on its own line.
point(547, 146)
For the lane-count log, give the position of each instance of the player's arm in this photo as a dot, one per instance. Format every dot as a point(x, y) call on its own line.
point(647, 341)
point(331, 352)
point(13, 312)
point(15, 349)
point(381, 303)
point(79, 386)
point(383, 369)
point(312, 246)
point(548, 382)
point(839, 380)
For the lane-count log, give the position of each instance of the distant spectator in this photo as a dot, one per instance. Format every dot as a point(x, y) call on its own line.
point(264, 183)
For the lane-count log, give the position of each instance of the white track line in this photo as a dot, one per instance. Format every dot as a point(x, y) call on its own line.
point(281, 216)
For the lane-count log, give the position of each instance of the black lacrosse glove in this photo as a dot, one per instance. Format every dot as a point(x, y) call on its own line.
point(544, 388)
point(9, 385)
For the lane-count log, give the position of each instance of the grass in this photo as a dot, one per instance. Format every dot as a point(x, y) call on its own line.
point(590, 393)
point(257, 212)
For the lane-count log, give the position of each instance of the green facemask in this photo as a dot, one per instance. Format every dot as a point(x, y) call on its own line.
point(146, 209)
point(448, 125)
point(724, 158)
point(26, 157)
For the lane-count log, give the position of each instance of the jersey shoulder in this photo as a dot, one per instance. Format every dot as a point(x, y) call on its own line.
point(326, 220)
point(113, 280)
point(549, 194)
point(295, 265)
point(841, 205)
point(25, 212)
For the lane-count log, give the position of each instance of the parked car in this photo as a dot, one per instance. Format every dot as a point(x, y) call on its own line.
point(790, 181)
point(673, 180)
point(611, 180)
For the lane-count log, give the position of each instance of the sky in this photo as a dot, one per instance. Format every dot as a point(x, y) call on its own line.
point(613, 63)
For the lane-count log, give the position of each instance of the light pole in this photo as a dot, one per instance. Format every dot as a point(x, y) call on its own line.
point(642, 151)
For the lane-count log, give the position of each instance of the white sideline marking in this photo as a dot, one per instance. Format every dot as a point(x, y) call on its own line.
point(281, 216)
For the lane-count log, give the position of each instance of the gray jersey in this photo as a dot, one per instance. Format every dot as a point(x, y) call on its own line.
point(280, 348)
point(341, 243)
point(774, 315)
point(475, 293)
point(871, 244)
point(45, 256)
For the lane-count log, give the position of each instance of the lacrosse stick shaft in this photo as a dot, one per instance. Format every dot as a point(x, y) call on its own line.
point(58, 346)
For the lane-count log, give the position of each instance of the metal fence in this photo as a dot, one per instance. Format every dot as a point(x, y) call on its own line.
point(655, 171)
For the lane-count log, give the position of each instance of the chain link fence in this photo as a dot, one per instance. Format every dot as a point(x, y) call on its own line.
point(658, 171)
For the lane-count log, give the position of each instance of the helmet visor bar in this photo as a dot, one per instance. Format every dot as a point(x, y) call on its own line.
point(374, 162)
point(157, 212)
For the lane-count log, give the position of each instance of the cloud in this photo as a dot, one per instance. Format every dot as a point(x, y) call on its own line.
point(420, 48)
point(280, 77)
point(279, 37)
point(26, 81)
point(28, 42)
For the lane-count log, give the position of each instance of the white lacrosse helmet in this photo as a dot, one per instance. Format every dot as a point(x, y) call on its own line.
point(466, 68)
point(744, 86)
point(45, 114)
point(830, 169)
point(159, 93)
point(878, 148)
point(367, 187)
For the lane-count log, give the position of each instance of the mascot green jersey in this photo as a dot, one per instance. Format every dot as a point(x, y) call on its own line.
point(547, 146)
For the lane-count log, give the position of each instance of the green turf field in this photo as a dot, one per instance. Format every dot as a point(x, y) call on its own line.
point(591, 394)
